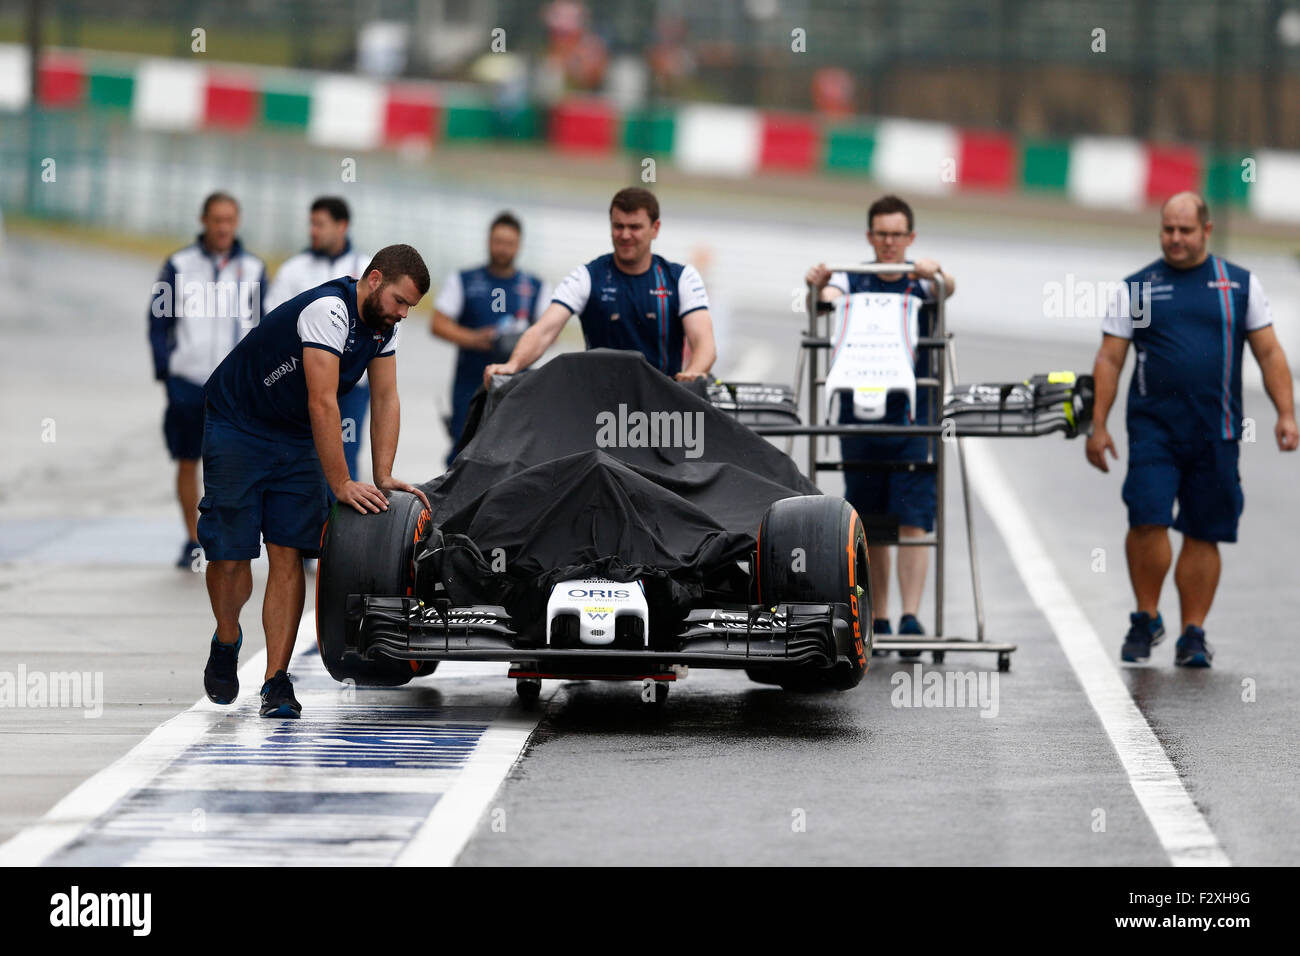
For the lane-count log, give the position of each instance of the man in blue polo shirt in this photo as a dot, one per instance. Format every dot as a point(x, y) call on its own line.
point(273, 450)
point(1188, 316)
point(908, 495)
point(485, 311)
point(628, 299)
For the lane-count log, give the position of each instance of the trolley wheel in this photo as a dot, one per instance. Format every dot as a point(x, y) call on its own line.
point(528, 689)
point(937, 657)
point(1004, 662)
point(654, 693)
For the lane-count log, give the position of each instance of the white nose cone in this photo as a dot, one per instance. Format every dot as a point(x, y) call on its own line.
point(598, 603)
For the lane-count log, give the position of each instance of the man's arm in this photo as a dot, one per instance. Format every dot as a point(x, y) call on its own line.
point(1105, 376)
point(1277, 382)
point(533, 343)
point(445, 327)
point(322, 370)
point(698, 326)
point(385, 424)
point(162, 319)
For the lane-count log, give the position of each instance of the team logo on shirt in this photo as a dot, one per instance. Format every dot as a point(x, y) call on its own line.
point(1222, 284)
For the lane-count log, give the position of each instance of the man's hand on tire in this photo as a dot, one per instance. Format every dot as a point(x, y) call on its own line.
point(393, 484)
point(367, 499)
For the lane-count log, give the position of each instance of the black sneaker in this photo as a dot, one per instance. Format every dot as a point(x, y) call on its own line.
point(908, 624)
point(1192, 649)
point(880, 626)
point(1143, 634)
point(221, 676)
point(277, 697)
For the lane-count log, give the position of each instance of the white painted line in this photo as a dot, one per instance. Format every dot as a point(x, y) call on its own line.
point(1179, 825)
point(451, 823)
point(94, 797)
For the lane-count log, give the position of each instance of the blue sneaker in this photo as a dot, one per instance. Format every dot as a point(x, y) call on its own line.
point(1192, 649)
point(908, 624)
point(221, 676)
point(1143, 634)
point(186, 561)
point(880, 626)
point(277, 697)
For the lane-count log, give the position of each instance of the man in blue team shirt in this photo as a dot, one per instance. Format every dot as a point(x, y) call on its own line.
point(1188, 316)
point(484, 311)
point(628, 299)
point(273, 449)
point(908, 495)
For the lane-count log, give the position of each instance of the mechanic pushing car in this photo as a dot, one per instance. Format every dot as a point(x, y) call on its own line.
point(273, 450)
point(484, 311)
point(1188, 316)
point(207, 297)
point(629, 299)
point(329, 256)
point(909, 495)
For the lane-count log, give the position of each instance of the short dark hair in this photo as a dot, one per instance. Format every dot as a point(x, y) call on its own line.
point(219, 196)
point(887, 205)
point(633, 198)
point(334, 206)
point(507, 219)
point(393, 262)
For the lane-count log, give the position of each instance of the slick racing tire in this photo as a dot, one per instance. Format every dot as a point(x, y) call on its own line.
point(812, 549)
point(366, 554)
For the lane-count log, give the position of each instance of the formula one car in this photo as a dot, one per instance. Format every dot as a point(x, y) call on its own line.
point(603, 521)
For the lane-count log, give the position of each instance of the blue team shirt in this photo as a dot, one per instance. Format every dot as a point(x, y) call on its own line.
point(261, 385)
point(1189, 344)
point(896, 403)
point(640, 313)
point(470, 297)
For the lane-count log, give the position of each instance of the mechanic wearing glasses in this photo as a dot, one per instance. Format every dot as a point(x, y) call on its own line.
point(628, 299)
point(909, 495)
point(1189, 327)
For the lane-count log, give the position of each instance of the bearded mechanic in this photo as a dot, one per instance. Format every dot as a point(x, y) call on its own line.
point(273, 450)
point(1195, 313)
point(628, 299)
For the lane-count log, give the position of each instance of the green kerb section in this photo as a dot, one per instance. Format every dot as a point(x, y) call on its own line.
point(470, 121)
point(523, 123)
point(283, 108)
point(110, 90)
point(849, 149)
point(1045, 164)
point(649, 131)
point(1228, 177)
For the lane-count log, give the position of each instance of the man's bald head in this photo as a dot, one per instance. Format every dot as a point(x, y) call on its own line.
point(1188, 200)
point(1185, 229)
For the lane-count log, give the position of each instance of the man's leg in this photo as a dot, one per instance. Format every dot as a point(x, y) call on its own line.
point(282, 606)
point(1197, 578)
point(1149, 556)
point(913, 562)
point(230, 584)
point(187, 493)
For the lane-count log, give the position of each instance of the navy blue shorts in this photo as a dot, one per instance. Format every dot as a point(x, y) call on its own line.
point(257, 488)
point(910, 495)
point(1200, 473)
point(183, 420)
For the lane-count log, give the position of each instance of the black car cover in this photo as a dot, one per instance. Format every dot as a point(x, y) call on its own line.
point(597, 464)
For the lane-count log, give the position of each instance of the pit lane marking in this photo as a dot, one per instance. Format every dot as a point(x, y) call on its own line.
point(1179, 825)
point(349, 783)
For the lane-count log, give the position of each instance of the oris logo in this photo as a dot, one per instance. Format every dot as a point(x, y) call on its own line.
point(598, 593)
